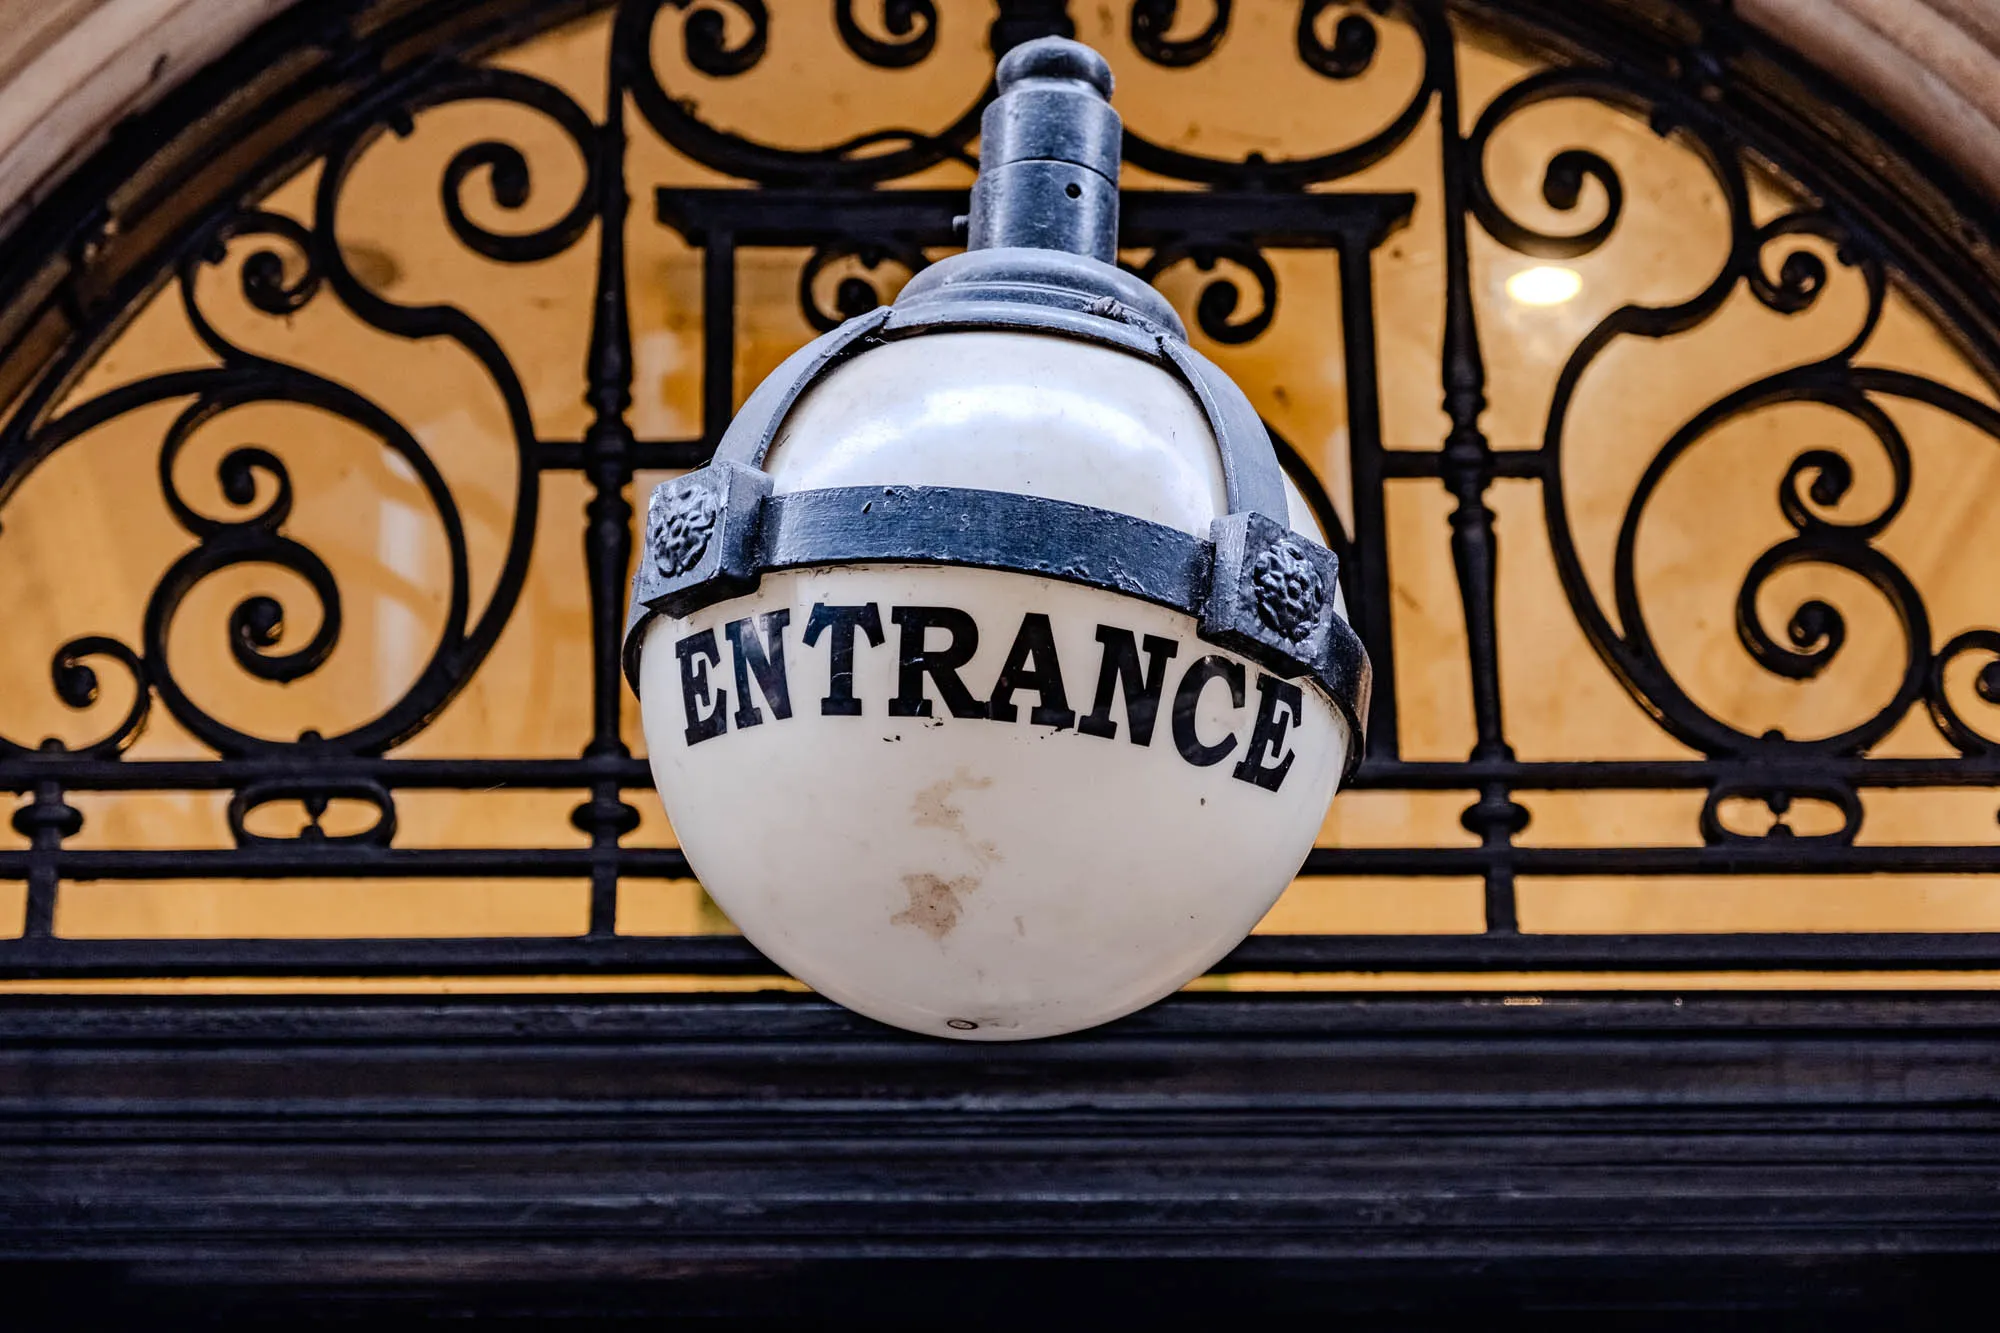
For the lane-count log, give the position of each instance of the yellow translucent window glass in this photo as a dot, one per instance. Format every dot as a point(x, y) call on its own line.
point(1801, 570)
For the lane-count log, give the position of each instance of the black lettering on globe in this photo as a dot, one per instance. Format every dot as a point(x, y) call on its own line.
point(1288, 589)
point(682, 523)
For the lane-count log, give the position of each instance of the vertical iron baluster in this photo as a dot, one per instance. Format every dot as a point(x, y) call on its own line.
point(1024, 20)
point(607, 540)
point(1467, 467)
point(45, 822)
point(718, 335)
point(1368, 577)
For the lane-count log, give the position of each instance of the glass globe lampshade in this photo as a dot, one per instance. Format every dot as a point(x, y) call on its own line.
point(984, 688)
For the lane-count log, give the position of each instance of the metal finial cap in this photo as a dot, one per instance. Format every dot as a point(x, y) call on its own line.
point(1048, 154)
point(1054, 58)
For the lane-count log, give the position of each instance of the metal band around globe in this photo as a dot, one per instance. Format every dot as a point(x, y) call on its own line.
point(1021, 534)
point(999, 530)
point(755, 425)
point(719, 529)
point(1062, 295)
point(1043, 292)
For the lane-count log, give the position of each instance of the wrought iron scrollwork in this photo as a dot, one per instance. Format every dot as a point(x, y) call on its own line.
point(1215, 309)
point(1562, 179)
point(1347, 55)
point(78, 686)
point(912, 27)
point(878, 155)
point(314, 796)
point(1779, 800)
point(853, 293)
point(1351, 50)
point(1815, 486)
point(704, 39)
point(1985, 683)
point(506, 167)
point(1151, 20)
point(1836, 503)
point(286, 264)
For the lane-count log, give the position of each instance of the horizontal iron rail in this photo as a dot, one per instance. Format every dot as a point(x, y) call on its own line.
point(307, 858)
point(729, 955)
point(553, 774)
point(315, 858)
point(664, 455)
point(1517, 463)
point(1793, 856)
point(1529, 463)
point(557, 774)
point(1147, 218)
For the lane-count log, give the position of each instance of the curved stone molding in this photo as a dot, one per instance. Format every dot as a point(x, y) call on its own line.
point(1933, 65)
point(71, 70)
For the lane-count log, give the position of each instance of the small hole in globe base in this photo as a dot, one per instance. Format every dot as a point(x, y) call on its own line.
point(1073, 190)
point(961, 1024)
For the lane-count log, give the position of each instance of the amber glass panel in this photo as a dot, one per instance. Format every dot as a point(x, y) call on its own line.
point(87, 537)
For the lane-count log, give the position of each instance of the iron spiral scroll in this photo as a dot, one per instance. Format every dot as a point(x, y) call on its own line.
point(1814, 486)
point(864, 220)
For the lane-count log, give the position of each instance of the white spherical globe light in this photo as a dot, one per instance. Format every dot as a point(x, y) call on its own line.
point(975, 764)
point(990, 876)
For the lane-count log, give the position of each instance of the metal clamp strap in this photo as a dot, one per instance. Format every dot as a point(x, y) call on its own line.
point(1254, 587)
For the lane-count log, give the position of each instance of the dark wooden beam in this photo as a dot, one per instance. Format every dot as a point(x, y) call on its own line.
point(500, 1154)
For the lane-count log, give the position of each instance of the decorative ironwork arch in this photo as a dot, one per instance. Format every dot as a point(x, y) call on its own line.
point(164, 209)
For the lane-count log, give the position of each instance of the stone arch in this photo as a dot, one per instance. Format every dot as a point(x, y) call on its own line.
point(72, 70)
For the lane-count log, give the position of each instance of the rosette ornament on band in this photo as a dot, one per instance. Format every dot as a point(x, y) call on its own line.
point(995, 678)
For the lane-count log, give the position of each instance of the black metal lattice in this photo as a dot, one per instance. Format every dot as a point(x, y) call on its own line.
point(160, 207)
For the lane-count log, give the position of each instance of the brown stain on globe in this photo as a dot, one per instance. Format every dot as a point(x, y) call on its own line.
point(934, 903)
